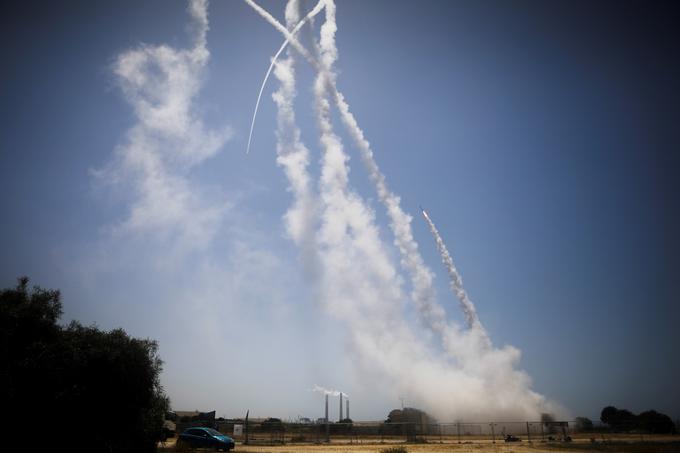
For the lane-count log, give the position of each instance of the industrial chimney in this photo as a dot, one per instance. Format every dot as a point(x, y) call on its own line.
point(340, 407)
point(326, 407)
point(347, 407)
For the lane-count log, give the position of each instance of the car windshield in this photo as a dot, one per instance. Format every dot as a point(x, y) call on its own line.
point(213, 432)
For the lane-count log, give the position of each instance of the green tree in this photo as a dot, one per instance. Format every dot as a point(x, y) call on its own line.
point(608, 414)
point(76, 387)
point(655, 422)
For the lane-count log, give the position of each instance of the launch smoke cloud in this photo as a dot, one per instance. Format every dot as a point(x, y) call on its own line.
point(356, 280)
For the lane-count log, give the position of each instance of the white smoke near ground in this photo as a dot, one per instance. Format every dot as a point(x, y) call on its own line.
point(330, 392)
point(168, 140)
point(359, 284)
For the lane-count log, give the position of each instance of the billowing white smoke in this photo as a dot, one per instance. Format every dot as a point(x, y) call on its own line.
point(302, 217)
point(331, 392)
point(420, 275)
point(168, 139)
point(357, 281)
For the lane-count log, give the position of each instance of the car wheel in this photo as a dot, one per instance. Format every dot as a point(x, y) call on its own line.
point(181, 445)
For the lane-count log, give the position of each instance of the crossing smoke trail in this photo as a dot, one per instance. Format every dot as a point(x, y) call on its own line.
point(337, 251)
point(456, 281)
point(358, 283)
point(309, 16)
point(292, 154)
point(420, 275)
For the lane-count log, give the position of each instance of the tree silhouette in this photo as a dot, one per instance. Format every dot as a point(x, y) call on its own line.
point(624, 420)
point(77, 388)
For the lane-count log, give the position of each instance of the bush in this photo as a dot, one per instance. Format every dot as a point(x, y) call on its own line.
point(90, 390)
point(583, 424)
point(399, 449)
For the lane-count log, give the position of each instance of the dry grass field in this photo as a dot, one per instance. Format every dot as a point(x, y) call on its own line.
point(663, 444)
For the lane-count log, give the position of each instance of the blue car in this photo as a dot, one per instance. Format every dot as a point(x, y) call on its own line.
point(204, 438)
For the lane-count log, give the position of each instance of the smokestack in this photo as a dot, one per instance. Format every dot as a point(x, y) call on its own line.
point(347, 408)
point(326, 407)
point(340, 407)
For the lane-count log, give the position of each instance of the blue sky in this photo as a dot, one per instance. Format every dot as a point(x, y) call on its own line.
point(542, 139)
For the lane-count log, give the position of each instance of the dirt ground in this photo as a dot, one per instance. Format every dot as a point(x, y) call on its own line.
point(665, 445)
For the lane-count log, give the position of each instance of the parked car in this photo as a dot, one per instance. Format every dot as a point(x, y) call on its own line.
point(204, 438)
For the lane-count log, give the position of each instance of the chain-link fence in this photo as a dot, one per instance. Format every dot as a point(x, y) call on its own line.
point(275, 431)
point(266, 432)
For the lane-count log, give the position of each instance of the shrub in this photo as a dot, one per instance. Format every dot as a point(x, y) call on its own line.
point(399, 449)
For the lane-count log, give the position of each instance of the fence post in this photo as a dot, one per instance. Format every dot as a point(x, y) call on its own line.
point(458, 427)
point(328, 431)
point(247, 412)
point(542, 433)
point(528, 433)
point(493, 433)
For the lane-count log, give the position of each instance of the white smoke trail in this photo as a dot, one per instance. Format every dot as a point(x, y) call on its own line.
point(168, 139)
point(292, 40)
point(359, 282)
point(420, 275)
point(360, 286)
point(331, 392)
point(293, 155)
point(455, 279)
point(336, 249)
point(362, 294)
point(319, 6)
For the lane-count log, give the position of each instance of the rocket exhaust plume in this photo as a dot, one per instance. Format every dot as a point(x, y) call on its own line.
point(356, 278)
point(420, 275)
point(456, 282)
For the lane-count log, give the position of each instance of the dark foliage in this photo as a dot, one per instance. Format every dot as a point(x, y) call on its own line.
point(398, 449)
point(583, 424)
point(77, 388)
point(548, 421)
point(343, 426)
point(648, 421)
point(654, 422)
point(409, 415)
point(272, 424)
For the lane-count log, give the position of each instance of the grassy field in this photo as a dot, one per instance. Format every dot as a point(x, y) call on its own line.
point(657, 445)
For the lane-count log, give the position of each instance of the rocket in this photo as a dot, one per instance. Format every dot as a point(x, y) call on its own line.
point(424, 212)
